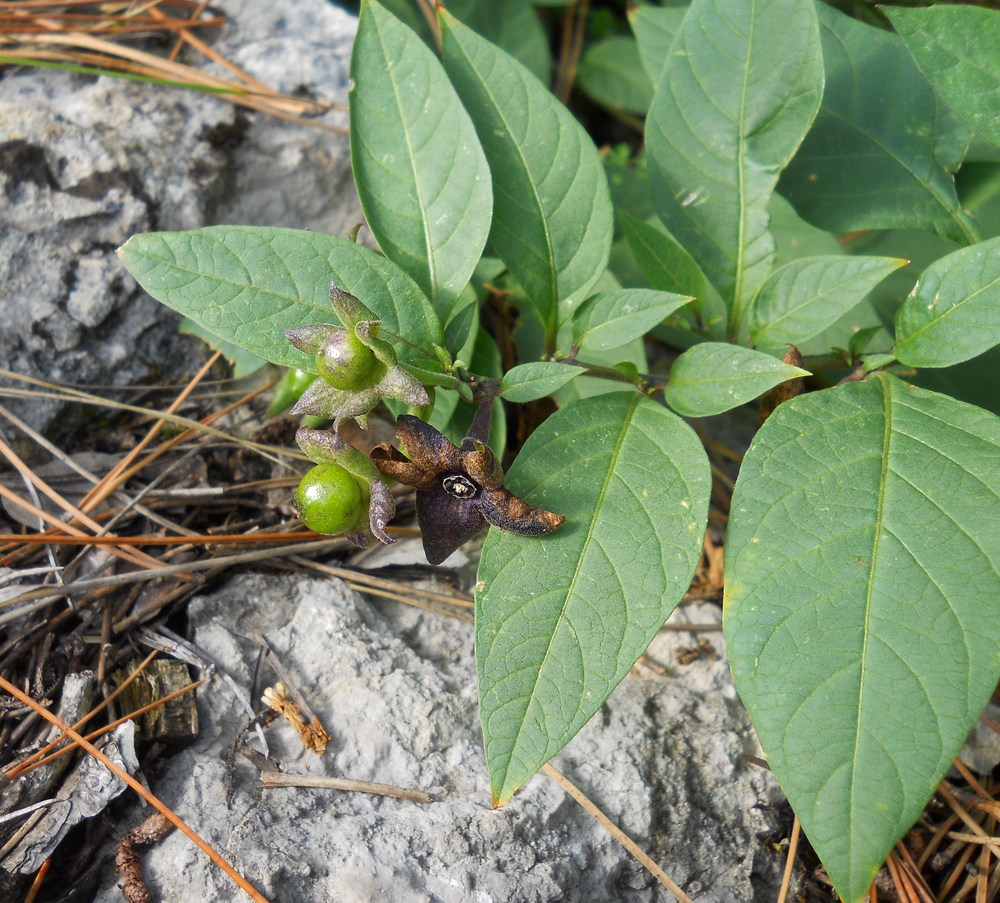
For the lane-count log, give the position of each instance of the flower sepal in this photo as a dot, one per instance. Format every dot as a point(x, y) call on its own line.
point(359, 369)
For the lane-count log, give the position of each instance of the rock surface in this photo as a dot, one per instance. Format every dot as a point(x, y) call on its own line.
point(87, 162)
point(395, 687)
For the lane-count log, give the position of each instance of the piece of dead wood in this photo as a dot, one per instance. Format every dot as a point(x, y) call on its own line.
point(86, 791)
point(311, 733)
point(281, 779)
point(75, 701)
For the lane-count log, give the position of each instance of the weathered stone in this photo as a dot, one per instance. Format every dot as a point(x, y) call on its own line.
point(395, 687)
point(87, 162)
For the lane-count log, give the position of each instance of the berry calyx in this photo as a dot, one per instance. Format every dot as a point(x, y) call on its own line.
point(329, 499)
point(345, 362)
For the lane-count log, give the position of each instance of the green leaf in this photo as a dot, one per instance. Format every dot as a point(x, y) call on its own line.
point(512, 25)
point(958, 49)
point(738, 93)
point(561, 619)
point(953, 312)
point(629, 184)
point(883, 149)
point(248, 284)
point(861, 339)
point(610, 72)
point(664, 263)
point(973, 381)
point(861, 610)
point(715, 376)
point(654, 28)
point(920, 248)
point(462, 322)
point(615, 318)
point(796, 238)
point(979, 194)
point(552, 215)
point(422, 177)
point(808, 295)
point(243, 362)
point(529, 382)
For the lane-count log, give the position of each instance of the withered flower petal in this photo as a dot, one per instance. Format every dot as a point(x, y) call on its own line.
point(505, 510)
point(459, 490)
point(445, 522)
point(425, 445)
point(392, 463)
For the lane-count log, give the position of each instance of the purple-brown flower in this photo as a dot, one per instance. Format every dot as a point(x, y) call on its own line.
point(459, 489)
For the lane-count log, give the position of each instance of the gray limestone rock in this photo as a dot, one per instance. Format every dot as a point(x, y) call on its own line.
point(395, 687)
point(87, 162)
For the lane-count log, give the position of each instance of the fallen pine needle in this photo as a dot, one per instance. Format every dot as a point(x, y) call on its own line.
point(244, 885)
point(617, 833)
point(793, 846)
point(24, 768)
point(32, 761)
point(281, 779)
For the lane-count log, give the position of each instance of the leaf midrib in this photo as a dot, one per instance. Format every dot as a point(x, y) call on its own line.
point(626, 424)
point(856, 759)
point(552, 302)
point(740, 261)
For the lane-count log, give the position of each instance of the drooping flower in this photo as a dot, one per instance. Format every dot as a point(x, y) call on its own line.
point(459, 489)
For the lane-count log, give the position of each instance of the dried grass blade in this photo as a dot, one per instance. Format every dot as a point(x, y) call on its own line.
point(283, 779)
point(617, 833)
point(103, 489)
point(140, 558)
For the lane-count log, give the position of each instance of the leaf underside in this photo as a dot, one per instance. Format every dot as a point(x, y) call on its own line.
point(248, 284)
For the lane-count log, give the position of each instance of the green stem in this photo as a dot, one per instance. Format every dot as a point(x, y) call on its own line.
point(647, 383)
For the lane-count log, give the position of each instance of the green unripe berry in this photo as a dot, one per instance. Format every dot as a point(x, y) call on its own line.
point(329, 499)
point(345, 362)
